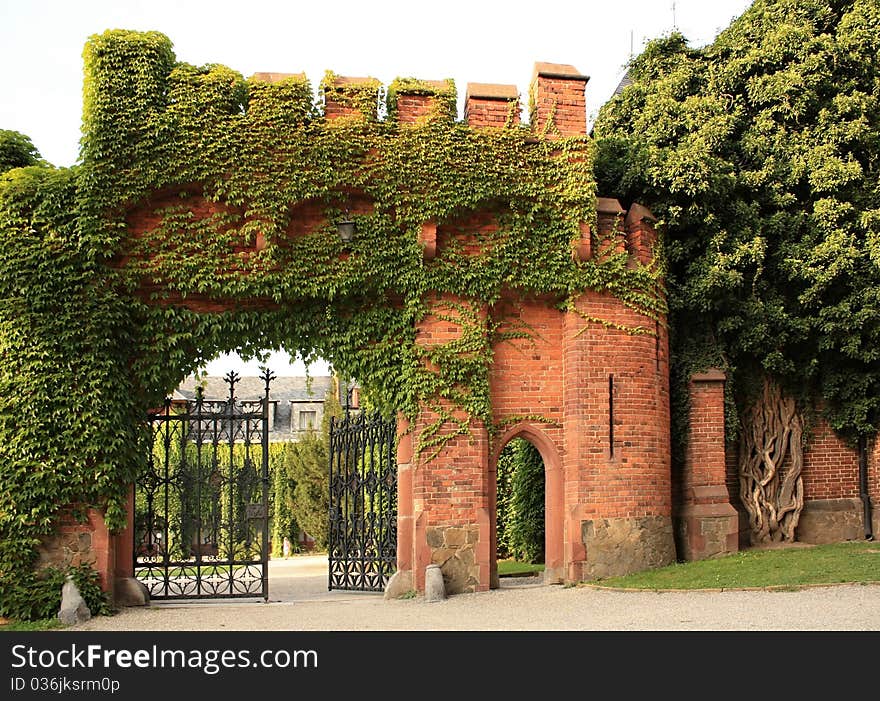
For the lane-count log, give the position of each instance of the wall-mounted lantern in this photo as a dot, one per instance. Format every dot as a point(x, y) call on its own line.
point(345, 229)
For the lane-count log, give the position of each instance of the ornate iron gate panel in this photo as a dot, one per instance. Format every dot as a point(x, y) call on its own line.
point(363, 502)
point(201, 506)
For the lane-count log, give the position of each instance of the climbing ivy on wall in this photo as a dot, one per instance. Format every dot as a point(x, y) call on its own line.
point(95, 325)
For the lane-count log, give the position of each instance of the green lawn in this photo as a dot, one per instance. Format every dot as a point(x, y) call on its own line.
point(789, 566)
point(508, 568)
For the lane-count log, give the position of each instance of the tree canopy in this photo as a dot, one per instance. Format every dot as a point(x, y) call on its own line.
point(17, 151)
point(760, 156)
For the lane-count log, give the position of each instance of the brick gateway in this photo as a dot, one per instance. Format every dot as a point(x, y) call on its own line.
point(612, 504)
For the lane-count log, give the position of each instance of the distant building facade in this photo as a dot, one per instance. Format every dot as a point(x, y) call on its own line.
point(296, 404)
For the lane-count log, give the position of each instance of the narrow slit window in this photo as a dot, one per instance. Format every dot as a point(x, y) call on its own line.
point(657, 342)
point(611, 416)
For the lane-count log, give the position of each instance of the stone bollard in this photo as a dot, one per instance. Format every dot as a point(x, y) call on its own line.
point(435, 589)
point(73, 607)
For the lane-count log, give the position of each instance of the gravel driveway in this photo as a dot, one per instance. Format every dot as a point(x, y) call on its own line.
point(299, 600)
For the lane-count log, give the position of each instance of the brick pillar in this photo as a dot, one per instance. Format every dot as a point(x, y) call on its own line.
point(707, 523)
point(611, 234)
point(350, 97)
point(417, 101)
point(491, 106)
point(640, 234)
point(448, 517)
point(127, 591)
point(558, 107)
point(406, 555)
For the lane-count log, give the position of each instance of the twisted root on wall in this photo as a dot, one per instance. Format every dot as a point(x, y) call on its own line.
point(771, 460)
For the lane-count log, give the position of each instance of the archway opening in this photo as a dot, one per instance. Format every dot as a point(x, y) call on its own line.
point(237, 480)
point(302, 398)
point(520, 518)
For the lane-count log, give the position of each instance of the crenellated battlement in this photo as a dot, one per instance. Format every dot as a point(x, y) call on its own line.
point(557, 104)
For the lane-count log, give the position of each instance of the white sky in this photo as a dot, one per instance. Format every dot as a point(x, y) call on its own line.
point(480, 41)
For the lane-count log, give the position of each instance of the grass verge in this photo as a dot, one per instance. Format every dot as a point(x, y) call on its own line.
point(787, 566)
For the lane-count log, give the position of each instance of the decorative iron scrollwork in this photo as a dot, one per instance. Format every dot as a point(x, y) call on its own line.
point(201, 505)
point(363, 502)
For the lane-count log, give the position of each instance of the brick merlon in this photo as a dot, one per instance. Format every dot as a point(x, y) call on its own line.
point(342, 81)
point(710, 375)
point(277, 77)
point(492, 91)
point(437, 85)
point(608, 205)
point(638, 213)
point(558, 70)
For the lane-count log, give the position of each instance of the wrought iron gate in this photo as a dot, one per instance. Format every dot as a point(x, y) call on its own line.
point(363, 502)
point(201, 506)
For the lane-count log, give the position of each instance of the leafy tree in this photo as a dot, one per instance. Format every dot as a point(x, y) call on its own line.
point(308, 465)
point(759, 154)
point(17, 151)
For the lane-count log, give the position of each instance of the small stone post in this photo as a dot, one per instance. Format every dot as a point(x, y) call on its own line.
point(435, 590)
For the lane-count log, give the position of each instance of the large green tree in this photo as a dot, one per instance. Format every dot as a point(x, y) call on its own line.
point(760, 154)
point(17, 151)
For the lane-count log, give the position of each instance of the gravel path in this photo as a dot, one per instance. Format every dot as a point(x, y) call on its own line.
point(299, 600)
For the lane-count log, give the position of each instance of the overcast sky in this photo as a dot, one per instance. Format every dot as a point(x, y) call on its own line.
point(41, 44)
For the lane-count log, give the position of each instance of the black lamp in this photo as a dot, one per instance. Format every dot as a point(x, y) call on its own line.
point(345, 229)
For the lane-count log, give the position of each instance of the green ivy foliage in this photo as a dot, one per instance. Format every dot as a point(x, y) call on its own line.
point(759, 154)
point(68, 435)
point(94, 324)
point(37, 595)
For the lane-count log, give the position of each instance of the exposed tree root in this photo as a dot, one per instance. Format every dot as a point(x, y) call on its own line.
point(770, 465)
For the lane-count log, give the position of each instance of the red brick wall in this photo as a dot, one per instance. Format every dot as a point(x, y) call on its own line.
point(527, 374)
point(874, 476)
point(831, 468)
point(633, 480)
point(452, 485)
point(491, 106)
point(705, 455)
point(411, 108)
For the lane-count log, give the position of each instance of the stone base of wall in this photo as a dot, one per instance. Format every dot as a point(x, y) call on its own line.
point(619, 546)
point(831, 521)
point(77, 543)
point(706, 530)
point(67, 549)
point(453, 548)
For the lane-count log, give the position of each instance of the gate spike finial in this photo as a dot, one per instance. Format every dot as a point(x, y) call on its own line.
point(267, 376)
point(231, 378)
